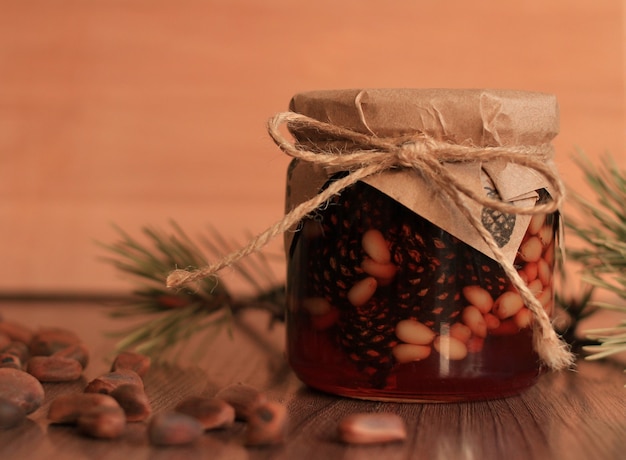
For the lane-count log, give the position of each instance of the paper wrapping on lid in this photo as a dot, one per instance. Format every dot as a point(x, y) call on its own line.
point(477, 117)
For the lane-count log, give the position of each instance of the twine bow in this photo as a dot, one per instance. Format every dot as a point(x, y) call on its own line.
point(363, 155)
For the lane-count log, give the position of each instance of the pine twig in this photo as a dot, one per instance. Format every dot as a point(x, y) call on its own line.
point(167, 320)
point(603, 257)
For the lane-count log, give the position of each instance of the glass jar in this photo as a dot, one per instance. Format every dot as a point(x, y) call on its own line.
point(384, 303)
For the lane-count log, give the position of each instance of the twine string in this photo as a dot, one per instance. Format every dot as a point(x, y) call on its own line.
point(362, 156)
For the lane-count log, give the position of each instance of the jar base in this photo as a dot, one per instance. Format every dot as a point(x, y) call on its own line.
point(505, 367)
point(444, 391)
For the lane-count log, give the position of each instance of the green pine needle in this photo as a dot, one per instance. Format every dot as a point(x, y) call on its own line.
point(603, 257)
point(167, 320)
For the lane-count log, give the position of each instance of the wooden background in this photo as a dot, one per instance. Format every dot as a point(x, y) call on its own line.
point(135, 112)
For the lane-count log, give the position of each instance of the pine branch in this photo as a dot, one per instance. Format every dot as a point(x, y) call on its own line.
point(603, 257)
point(577, 307)
point(168, 320)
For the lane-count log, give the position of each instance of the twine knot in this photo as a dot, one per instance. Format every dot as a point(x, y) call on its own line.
point(410, 151)
point(363, 155)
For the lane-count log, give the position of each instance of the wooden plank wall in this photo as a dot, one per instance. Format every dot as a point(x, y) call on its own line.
point(140, 111)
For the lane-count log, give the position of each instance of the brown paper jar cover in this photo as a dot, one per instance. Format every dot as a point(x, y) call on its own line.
point(484, 117)
point(433, 317)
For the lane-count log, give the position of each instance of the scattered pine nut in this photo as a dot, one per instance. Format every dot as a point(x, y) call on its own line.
point(11, 414)
point(244, 398)
point(267, 425)
point(21, 389)
point(54, 368)
point(173, 429)
point(102, 422)
point(134, 401)
point(372, 428)
point(110, 381)
point(130, 360)
point(66, 409)
point(212, 413)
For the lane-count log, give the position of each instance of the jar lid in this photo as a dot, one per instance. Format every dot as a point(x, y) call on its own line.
point(474, 118)
point(480, 117)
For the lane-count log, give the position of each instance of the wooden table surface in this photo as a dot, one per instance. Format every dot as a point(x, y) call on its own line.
point(569, 415)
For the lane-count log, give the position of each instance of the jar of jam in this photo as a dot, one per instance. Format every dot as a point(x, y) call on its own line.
point(392, 293)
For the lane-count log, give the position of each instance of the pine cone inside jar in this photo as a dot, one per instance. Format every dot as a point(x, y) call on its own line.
point(430, 268)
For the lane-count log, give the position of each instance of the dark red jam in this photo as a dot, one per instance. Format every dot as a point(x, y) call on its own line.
point(382, 304)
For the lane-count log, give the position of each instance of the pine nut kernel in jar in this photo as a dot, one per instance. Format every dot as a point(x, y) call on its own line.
point(392, 292)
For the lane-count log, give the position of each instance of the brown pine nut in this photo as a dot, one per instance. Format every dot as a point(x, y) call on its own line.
point(21, 389)
point(507, 305)
point(108, 382)
point(536, 223)
point(544, 272)
point(460, 331)
point(450, 348)
point(11, 415)
point(407, 352)
point(19, 350)
point(9, 360)
point(523, 318)
point(362, 291)
point(16, 331)
point(212, 413)
point(132, 361)
point(323, 322)
point(47, 341)
point(267, 425)
point(473, 318)
point(546, 235)
point(77, 351)
point(507, 327)
point(102, 422)
point(244, 398)
point(479, 297)
point(491, 321)
point(411, 331)
point(522, 274)
point(54, 368)
point(316, 305)
point(173, 429)
point(67, 408)
point(134, 401)
point(5, 341)
point(549, 254)
point(531, 271)
point(475, 344)
point(536, 287)
point(384, 271)
point(371, 428)
point(530, 250)
point(546, 296)
point(375, 245)
point(549, 307)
